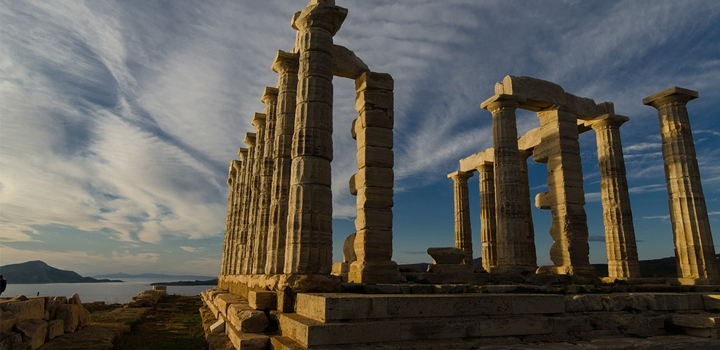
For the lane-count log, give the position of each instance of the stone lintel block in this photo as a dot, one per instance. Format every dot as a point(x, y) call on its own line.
point(672, 94)
point(373, 218)
point(583, 106)
point(374, 99)
point(316, 64)
point(313, 143)
point(501, 100)
point(373, 136)
point(374, 197)
point(346, 64)
point(32, 308)
point(246, 319)
point(477, 160)
point(312, 170)
point(315, 89)
point(375, 118)
point(375, 177)
point(247, 341)
point(533, 89)
point(223, 301)
point(262, 299)
point(35, 330)
point(55, 328)
point(370, 156)
point(374, 81)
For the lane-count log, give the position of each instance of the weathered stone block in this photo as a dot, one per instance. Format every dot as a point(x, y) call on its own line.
point(538, 304)
point(70, 314)
point(375, 177)
point(315, 88)
point(373, 80)
point(315, 115)
point(247, 341)
point(375, 157)
point(55, 328)
point(8, 320)
point(374, 99)
point(373, 197)
point(711, 302)
point(35, 330)
point(312, 170)
point(28, 309)
point(223, 301)
point(243, 318)
point(12, 341)
point(583, 303)
point(373, 136)
point(313, 143)
point(315, 63)
point(262, 300)
point(315, 39)
point(451, 255)
point(218, 326)
point(373, 218)
point(377, 118)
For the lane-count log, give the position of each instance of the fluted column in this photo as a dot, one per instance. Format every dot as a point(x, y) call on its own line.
point(488, 231)
point(232, 239)
point(463, 232)
point(560, 149)
point(251, 258)
point(527, 209)
point(512, 247)
point(245, 199)
point(239, 203)
point(229, 221)
point(694, 247)
point(309, 227)
point(286, 65)
point(620, 243)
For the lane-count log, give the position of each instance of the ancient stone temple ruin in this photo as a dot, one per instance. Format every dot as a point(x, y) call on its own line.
point(279, 289)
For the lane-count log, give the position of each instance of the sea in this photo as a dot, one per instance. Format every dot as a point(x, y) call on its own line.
point(109, 292)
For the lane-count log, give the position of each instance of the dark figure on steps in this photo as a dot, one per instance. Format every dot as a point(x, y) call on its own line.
point(3, 284)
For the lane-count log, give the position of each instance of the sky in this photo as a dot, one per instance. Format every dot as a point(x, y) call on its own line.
point(118, 119)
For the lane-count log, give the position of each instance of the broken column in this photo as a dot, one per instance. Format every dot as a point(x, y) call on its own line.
point(488, 235)
point(286, 65)
point(694, 247)
point(463, 231)
point(512, 248)
point(620, 243)
point(309, 228)
point(243, 250)
point(373, 183)
point(560, 149)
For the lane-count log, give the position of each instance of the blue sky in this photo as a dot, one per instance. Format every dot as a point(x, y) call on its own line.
point(118, 119)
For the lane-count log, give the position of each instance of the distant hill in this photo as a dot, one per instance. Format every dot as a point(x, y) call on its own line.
point(33, 272)
point(155, 276)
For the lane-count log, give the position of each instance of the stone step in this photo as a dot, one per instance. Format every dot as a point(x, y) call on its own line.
point(330, 307)
point(309, 332)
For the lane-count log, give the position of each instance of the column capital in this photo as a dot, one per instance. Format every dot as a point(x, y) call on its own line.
point(322, 14)
point(285, 62)
point(236, 164)
point(258, 120)
point(500, 101)
point(250, 139)
point(460, 175)
point(607, 120)
point(270, 95)
point(673, 94)
point(243, 153)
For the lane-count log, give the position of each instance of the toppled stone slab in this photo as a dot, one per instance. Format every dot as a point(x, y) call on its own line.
point(33, 308)
point(55, 328)
point(35, 330)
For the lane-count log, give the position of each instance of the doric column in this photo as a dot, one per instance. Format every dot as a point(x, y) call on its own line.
point(560, 149)
point(238, 204)
point(488, 231)
point(232, 230)
point(694, 247)
point(286, 65)
point(527, 209)
point(269, 98)
point(309, 236)
point(251, 258)
point(620, 244)
point(512, 247)
point(229, 221)
point(463, 232)
point(373, 183)
point(245, 199)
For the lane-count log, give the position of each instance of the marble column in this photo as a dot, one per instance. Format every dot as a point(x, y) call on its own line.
point(463, 232)
point(229, 219)
point(245, 199)
point(560, 149)
point(527, 206)
point(512, 248)
point(251, 258)
point(488, 231)
point(694, 247)
point(309, 227)
point(232, 233)
point(620, 243)
point(286, 65)
point(238, 206)
point(269, 98)
point(374, 181)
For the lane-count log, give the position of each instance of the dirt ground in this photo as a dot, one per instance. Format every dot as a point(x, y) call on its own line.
point(174, 323)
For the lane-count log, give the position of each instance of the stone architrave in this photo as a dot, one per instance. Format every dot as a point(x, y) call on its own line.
point(309, 227)
point(269, 98)
point(373, 183)
point(253, 233)
point(560, 149)
point(237, 207)
point(488, 235)
point(229, 224)
point(694, 247)
point(286, 65)
point(527, 209)
point(463, 231)
point(243, 247)
point(620, 243)
point(512, 247)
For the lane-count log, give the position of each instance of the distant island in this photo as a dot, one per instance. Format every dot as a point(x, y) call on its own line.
point(38, 272)
point(155, 276)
